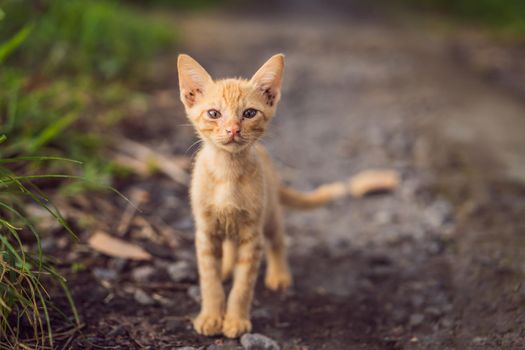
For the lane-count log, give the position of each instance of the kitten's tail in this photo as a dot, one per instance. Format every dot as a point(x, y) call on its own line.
point(357, 186)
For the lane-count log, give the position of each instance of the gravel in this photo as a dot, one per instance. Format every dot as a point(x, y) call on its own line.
point(105, 274)
point(255, 341)
point(194, 293)
point(182, 271)
point(416, 319)
point(143, 298)
point(143, 273)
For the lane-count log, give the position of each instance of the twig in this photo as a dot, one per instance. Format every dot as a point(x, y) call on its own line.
point(137, 198)
point(140, 158)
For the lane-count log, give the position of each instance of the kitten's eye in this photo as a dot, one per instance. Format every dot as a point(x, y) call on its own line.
point(214, 114)
point(249, 113)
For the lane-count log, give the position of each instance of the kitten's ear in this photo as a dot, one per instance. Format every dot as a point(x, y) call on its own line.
point(268, 79)
point(193, 80)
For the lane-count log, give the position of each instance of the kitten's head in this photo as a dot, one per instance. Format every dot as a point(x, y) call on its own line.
point(231, 114)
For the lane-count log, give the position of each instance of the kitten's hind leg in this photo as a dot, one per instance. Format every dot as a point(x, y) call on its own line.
point(229, 255)
point(278, 276)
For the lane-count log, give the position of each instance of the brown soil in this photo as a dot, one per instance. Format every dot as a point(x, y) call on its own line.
point(438, 264)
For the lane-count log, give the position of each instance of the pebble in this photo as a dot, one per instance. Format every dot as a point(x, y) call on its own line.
point(48, 245)
point(188, 255)
point(175, 325)
point(143, 273)
point(182, 271)
point(195, 293)
point(117, 264)
point(479, 340)
point(399, 315)
point(184, 224)
point(117, 331)
point(438, 213)
point(215, 347)
point(384, 217)
point(227, 345)
point(142, 298)
point(446, 322)
point(417, 300)
point(105, 274)
point(416, 319)
point(159, 251)
point(261, 313)
point(255, 341)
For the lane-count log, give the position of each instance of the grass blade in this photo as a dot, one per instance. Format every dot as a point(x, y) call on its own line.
point(12, 44)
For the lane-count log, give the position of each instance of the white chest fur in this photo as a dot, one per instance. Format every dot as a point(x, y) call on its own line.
point(225, 195)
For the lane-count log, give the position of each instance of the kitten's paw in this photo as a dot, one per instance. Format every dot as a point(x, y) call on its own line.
point(208, 324)
point(234, 327)
point(278, 280)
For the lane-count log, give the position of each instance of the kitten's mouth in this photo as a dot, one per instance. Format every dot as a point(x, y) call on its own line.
point(233, 141)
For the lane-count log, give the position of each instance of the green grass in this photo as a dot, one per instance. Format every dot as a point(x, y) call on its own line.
point(68, 72)
point(507, 16)
point(102, 38)
point(68, 69)
point(25, 274)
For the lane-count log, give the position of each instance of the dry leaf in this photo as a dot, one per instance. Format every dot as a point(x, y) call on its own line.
point(373, 181)
point(105, 243)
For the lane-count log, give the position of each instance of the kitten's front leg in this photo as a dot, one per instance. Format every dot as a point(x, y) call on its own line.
point(237, 319)
point(210, 319)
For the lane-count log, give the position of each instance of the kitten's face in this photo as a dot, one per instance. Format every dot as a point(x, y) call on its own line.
point(231, 114)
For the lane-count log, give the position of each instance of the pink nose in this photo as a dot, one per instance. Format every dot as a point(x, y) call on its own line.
point(233, 129)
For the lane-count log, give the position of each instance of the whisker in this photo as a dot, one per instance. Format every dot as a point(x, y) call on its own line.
point(197, 149)
point(193, 144)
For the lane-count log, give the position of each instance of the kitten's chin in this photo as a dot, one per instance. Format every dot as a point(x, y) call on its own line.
point(232, 147)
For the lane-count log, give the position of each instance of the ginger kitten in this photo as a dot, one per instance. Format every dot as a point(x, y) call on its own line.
point(236, 195)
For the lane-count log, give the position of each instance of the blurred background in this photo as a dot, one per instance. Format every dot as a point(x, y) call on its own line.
point(96, 234)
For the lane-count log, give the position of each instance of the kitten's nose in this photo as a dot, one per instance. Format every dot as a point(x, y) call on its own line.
point(233, 129)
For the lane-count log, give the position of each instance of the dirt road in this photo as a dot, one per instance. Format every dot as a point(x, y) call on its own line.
point(435, 265)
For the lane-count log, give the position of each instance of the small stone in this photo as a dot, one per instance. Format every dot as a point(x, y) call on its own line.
point(188, 255)
point(105, 274)
point(446, 322)
point(159, 251)
point(255, 341)
point(479, 340)
point(185, 223)
point(195, 293)
point(142, 273)
point(186, 348)
point(215, 347)
point(48, 245)
point(142, 298)
point(227, 345)
point(433, 311)
point(399, 315)
point(231, 344)
point(261, 314)
point(117, 264)
point(174, 325)
point(416, 319)
point(417, 300)
point(384, 217)
point(117, 331)
point(182, 271)
point(438, 213)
